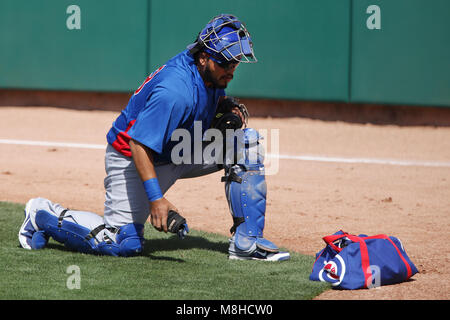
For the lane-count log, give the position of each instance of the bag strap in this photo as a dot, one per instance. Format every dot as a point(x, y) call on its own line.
point(332, 238)
point(385, 237)
point(408, 267)
point(365, 263)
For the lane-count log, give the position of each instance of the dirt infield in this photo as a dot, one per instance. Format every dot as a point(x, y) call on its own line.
point(307, 199)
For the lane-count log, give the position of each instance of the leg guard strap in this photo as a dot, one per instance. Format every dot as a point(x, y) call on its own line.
point(236, 222)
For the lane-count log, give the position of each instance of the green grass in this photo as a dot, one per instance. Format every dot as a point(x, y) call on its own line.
point(196, 268)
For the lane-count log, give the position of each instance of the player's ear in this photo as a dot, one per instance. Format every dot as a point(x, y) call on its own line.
point(202, 59)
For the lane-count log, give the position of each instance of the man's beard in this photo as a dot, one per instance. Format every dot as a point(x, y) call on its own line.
point(208, 77)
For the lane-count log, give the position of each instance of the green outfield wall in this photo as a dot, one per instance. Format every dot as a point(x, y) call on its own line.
point(407, 60)
point(379, 51)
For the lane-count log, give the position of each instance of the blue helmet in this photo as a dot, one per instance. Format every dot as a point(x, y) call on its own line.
point(226, 39)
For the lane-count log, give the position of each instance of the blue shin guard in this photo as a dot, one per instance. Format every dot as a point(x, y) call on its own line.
point(72, 235)
point(128, 242)
point(246, 190)
point(247, 201)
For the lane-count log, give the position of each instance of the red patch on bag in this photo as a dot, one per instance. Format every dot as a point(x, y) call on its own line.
point(331, 268)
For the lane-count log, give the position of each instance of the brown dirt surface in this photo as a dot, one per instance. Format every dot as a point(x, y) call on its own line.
point(306, 199)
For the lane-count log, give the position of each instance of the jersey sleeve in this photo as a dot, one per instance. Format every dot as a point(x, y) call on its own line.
point(165, 110)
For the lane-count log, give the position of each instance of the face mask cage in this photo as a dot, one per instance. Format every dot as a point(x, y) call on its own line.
point(226, 38)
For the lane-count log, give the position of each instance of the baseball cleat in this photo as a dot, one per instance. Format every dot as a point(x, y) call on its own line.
point(256, 252)
point(27, 229)
point(261, 255)
point(29, 235)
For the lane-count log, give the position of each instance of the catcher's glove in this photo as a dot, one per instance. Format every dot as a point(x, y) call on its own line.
point(226, 119)
point(177, 224)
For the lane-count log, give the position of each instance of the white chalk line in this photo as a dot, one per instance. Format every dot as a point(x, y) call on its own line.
point(393, 162)
point(54, 144)
point(314, 158)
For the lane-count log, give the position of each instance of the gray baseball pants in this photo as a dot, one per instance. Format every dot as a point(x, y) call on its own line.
point(125, 198)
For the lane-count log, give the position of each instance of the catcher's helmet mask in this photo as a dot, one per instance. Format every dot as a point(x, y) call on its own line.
point(225, 39)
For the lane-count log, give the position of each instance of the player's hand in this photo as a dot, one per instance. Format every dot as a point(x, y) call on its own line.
point(238, 112)
point(159, 212)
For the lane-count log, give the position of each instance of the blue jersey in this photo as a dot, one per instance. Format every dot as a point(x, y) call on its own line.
point(172, 97)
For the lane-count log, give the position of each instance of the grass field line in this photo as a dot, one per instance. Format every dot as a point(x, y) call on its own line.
point(316, 158)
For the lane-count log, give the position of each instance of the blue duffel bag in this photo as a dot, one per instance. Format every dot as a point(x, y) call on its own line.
point(355, 262)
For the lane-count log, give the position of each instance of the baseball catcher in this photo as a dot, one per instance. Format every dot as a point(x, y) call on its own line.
point(187, 90)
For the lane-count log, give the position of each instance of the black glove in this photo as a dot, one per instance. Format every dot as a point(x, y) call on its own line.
point(177, 224)
point(225, 119)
